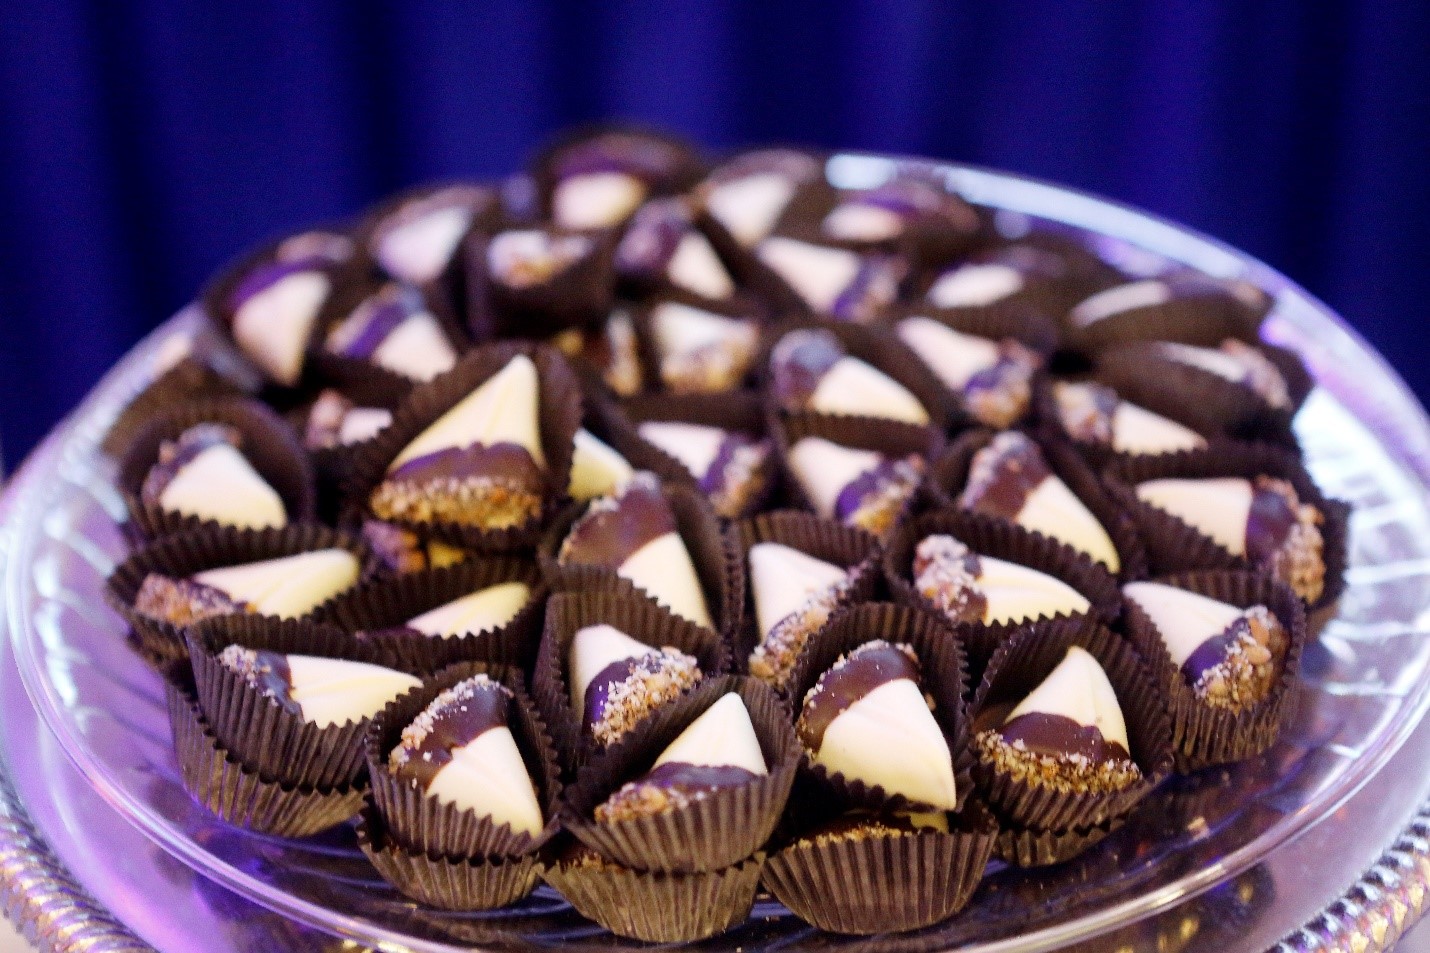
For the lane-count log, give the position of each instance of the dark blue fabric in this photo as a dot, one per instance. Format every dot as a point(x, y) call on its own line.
point(143, 143)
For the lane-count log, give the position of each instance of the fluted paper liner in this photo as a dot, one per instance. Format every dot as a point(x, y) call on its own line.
point(446, 294)
point(949, 475)
point(999, 539)
point(640, 618)
point(422, 822)
point(220, 782)
point(466, 883)
point(184, 554)
point(944, 676)
point(269, 444)
point(721, 578)
point(658, 907)
point(889, 437)
point(1204, 735)
point(737, 411)
point(848, 547)
point(195, 376)
point(560, 418)
point(580, 295)
point(1207, 401)
point(1019, 666)
point(1028, 326)
point(1030, 847)
point(884, 884)
point(872, 344)
point(256, 728)
point(711, 832)
point(1174, 546)
point(685, 172)
point(377, 612)
point(1204, 320)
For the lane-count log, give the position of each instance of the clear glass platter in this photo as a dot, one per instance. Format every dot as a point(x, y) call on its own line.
point(1366, 684)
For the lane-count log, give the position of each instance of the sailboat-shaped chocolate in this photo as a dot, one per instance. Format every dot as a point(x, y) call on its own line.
point(970, 587)
point(868, 720)
point(794, 595)
point(481, 463)
point(615, 681)
point(205, 474)
point(812, 371)
point(1010, 478)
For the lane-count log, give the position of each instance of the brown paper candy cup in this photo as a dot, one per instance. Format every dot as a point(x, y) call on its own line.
point(884, 884)
point(204, 371)
point(1018, 666)
point(267, 442)
point(1203, 735)
point(560, 418)
point(256, 728)
point(1201, 311)
point(1174, 546)
point(423, 823)
point(736, 411)
point(377, 613)
point(949, 476)
point(944, 678)
point(998, 539)
point(721, 577)
point(892, 439)
point(1206, 402)
point(708, 833)
point(1029, 847)
point(848, 547)
point(683, 170)
point(480, 883)
point(220, 782)
point(640, 618)
point(580, 295)
point(658, 907)
point(446, 294)
point(874, 345)
point(184, 554)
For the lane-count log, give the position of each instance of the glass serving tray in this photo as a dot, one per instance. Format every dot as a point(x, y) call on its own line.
point(1366, 679)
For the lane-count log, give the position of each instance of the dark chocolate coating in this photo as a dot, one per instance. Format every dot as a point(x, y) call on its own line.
point(857, 490)
point(607, 678)
point(272, 676)
point(1268, 523)
point(1058, 736)
point(506, 462)
point(691, 779)
point(799, 362)
point(609, 536)
point(1213, 651)
point(455, 725)
point(1016, 472)
point(865, 669)
point(177, 454)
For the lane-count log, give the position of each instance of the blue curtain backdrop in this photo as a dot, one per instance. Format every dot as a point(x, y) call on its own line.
point(143, 143)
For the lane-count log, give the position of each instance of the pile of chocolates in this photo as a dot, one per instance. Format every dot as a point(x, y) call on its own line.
point(663, 531)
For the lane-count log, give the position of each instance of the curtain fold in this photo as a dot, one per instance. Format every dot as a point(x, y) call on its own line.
point(143, 144)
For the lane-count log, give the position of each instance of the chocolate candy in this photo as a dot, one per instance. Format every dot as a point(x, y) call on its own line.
point(1261, 519)
point(835, 282)
point(716, 751)
point(287, 587)
point(858, 487)
point(415, 242)
point(324, 691)
point(969, 587)
point(994, 378)
point(1009, 478)
point(616, 681)
point(867, 718)
point(460, 750)
point(1231, 657)
point(205, 474)
point(662, 247)
point(700, 351)
point(596, 469)
point(811, 370)
point(480, 463)
point(634, 534)
point(335, 421)
point(1093, 413)
point(394, 330)
point(1068, 734)
point(794, 595)
point(728, 466)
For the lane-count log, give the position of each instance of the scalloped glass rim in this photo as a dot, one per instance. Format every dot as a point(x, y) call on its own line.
point(1298, 320)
